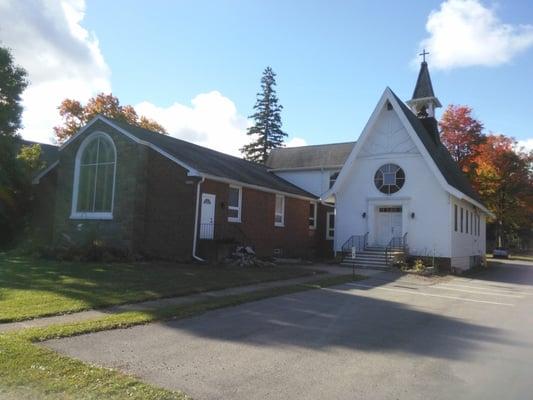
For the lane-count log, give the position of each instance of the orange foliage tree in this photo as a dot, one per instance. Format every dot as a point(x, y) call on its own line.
point(462, 134)
point(75, 115)
point(504, 179)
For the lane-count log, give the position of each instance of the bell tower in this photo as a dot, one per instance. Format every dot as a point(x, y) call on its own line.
point(424, 101)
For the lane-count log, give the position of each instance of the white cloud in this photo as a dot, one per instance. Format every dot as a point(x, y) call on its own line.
point(62, 58)
point(466, 33)
point(296, 142)
point(212, 121)
point(527, 144)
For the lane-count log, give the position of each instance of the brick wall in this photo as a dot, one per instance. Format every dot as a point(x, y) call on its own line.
point(129, 194)
point(169, 211)
point(257, 221)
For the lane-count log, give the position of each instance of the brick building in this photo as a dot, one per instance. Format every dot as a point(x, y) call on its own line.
point(162, 197)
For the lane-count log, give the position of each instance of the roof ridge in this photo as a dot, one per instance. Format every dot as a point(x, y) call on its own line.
point(313, 145)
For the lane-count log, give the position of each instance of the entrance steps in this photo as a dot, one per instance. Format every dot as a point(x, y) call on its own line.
point(373, 257)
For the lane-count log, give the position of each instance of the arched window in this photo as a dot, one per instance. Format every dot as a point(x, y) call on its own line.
point(94, 178)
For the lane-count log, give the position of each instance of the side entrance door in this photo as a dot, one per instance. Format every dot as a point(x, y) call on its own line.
point(388, 224)
point(207, 216)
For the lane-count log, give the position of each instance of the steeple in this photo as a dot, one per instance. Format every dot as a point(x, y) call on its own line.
point(424, 101)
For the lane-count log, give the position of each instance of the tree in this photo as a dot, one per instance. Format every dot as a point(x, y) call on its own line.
point(75, 115)
point(13, 181)
point(462, 135)
point(504, 179)
point(266, 130)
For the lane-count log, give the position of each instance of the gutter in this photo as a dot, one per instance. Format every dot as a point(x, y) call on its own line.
point(195, 237)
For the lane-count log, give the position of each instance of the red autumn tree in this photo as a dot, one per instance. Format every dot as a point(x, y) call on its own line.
point(504, 179)
point(75, 115)
point(462, 135)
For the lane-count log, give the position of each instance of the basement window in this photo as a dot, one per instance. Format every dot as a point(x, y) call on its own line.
point(234, 204)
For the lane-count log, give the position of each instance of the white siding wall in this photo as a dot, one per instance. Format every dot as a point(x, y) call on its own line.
point(314, 181)
point(465, 245)
point(389, 142)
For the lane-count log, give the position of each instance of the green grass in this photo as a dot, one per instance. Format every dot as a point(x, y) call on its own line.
point(29, 371)
point(34, 288)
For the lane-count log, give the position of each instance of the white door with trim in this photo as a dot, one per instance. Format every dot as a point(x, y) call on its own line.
point(388, 224)
point(207, 216)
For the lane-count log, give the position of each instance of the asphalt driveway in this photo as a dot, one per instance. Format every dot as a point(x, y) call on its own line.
point(387, 337)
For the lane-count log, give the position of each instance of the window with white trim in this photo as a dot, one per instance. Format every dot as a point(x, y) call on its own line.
point(455, 216)
point(330, 225)
point(312, 215)
point(279, 216)
point(94, 178)
point(234, 204)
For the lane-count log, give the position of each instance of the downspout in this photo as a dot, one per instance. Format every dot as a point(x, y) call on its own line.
point(196, 221)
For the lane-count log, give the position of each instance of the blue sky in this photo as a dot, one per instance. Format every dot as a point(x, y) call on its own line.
point(333, 59)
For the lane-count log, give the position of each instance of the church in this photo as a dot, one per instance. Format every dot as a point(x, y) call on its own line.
point(395, 191)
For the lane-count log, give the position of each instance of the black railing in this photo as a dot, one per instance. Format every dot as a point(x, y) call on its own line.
point(397, 243)
point(355, 243)
point(223, 233)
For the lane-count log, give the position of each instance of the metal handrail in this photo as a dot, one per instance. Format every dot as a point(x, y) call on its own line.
point(359, 242)
point(396, 242)
point(226, 233)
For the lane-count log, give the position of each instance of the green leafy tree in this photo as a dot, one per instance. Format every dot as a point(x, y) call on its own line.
point(266, 131)
point(13, 180)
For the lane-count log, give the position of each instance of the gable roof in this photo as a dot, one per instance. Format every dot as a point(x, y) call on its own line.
point(331, 155)
point(423, 87)
point(440, 154)
point(440, 162)
point(205, 162)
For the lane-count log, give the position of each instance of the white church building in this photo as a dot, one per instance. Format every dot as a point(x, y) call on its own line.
point(395, 189)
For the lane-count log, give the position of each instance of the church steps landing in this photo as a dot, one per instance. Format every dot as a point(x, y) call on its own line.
point(372, 257)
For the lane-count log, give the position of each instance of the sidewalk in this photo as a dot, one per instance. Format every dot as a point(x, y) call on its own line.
point(329, 270)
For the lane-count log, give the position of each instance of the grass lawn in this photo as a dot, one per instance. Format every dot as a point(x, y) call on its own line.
point(32, 288)
point(29, 371)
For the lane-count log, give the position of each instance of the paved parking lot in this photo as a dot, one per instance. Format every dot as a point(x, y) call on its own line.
point(386, 337)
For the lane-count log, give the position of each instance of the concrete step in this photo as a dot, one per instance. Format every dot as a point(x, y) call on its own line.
point(366, 262)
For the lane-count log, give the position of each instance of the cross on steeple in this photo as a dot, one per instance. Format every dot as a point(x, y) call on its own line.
point(424, 54)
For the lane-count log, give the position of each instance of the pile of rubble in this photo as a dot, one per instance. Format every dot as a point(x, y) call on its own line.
point(244, 256)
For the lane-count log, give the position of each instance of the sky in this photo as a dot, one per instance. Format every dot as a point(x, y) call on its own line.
point(195, 66)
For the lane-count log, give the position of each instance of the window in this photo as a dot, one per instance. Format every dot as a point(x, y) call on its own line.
point(389, 178)
point(330, 228)
point(333, 178)
point(234, 204)
point(466, 230)
point(94, 178)
point(471, 223)
point(478, 226)
point(312, 215)
point(461, 219)
point(455, 216)
point(279, 217)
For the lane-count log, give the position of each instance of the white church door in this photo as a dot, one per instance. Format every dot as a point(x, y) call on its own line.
point(207, 217)
point(388, 224)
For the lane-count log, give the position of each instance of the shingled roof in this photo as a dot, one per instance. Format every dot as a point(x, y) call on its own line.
point(214, 163)
point(440, 155)
point(331, 155)
point(423, 88)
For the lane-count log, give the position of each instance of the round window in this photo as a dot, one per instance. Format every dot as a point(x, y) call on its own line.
point(389, 178)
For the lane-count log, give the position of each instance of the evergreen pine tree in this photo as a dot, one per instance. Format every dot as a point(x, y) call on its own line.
point(267, 127)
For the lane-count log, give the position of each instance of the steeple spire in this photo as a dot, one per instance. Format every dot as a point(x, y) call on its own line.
point(424, 100)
